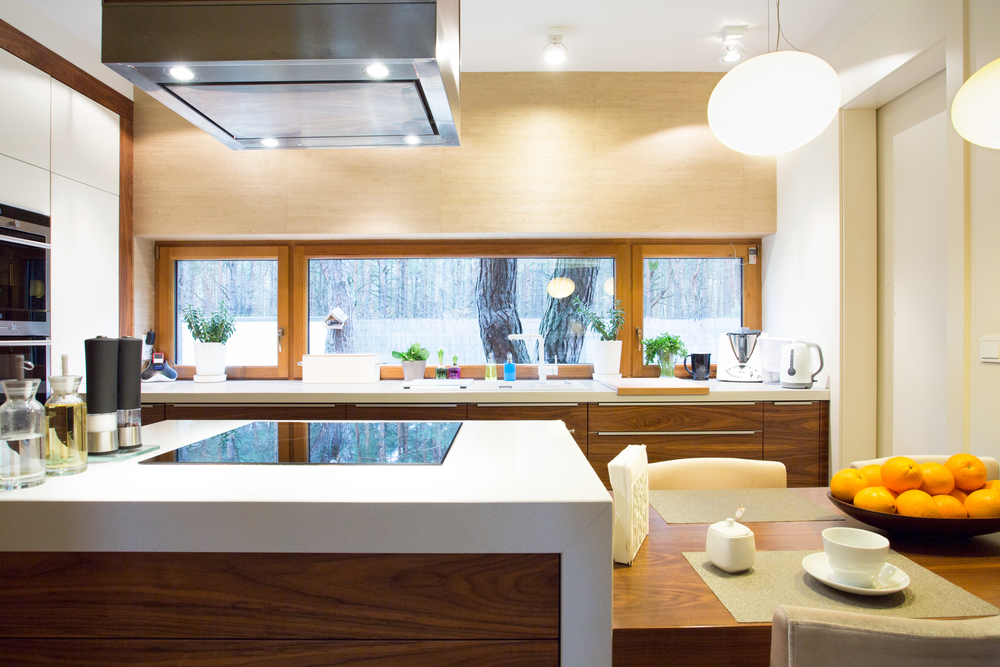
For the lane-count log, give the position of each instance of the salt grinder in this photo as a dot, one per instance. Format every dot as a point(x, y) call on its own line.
point(102, 394)
point(129, 393)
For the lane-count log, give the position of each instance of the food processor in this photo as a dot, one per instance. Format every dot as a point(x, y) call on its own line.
point(739, 358)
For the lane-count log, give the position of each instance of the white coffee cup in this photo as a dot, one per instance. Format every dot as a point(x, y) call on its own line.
point(855, 556)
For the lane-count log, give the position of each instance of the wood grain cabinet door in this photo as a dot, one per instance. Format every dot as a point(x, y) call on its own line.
point(317, 412)
point(795, 434)
point(573, 414)
point(401, 412)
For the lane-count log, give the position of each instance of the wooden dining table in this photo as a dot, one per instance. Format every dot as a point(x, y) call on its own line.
point(665, 614)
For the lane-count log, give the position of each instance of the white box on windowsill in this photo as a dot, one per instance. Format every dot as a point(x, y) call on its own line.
point(340, 368)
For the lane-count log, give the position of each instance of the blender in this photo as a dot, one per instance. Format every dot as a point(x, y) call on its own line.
point(739, 359)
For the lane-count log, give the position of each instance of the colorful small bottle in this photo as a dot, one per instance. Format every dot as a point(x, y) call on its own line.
point(441, 372)
point(491, 369)
point(454, 371)
point(509, 369)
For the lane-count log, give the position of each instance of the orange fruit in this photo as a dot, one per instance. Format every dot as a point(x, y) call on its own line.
point(917, 503)
point(938, 480)
point(846, 484)
point(950, 508)
point(876, 499)
point(959, 495)
point(873, 474)
point(992, 484)
point(902, 474)
point(983, 504)
point(969, 471)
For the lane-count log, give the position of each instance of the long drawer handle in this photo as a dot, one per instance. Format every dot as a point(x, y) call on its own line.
point(527, 405)
point(794, 402)
point(642, 433)
point(150, 400)
point(677, 405)
point(406, 405)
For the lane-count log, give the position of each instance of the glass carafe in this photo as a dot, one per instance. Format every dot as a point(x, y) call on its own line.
point(22, 443)
point(65, 427)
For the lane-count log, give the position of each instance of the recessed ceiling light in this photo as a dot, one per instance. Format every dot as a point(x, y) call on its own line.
point(181, 73)
point(555, 51)
point(270, 142)
point(732, 50)
point(376, 71)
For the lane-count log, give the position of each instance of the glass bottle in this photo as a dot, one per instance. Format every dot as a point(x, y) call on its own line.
point(441, 371)
point(491, 368)
point(22, 447)
point(65, 427)
point(509, 369)
point(454, 371)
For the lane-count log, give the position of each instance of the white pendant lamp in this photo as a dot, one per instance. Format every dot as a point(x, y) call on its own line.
point(974, 111)
point(774, 102)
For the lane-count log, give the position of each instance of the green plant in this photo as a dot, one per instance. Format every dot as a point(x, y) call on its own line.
point(415, 353)
point(609, 325)
point(215, 328)
point(663, 344)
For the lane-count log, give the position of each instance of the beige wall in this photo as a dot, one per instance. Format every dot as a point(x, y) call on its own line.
point(543, 154)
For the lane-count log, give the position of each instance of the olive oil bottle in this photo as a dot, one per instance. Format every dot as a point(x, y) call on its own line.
point(65, 426)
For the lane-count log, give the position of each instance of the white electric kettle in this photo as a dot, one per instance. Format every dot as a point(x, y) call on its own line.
point(797, 367)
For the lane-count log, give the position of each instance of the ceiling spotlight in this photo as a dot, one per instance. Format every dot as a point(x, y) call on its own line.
point(181, 73)
point(376, 71)
point(974, 111)
point(411, 139)
point(555, 51)
point(732, 51)
point(270, 142)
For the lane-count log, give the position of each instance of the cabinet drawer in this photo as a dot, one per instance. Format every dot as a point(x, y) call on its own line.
point(256, 412)
point(152, 414)
point(603, 448)
point(390, 412)
point(575, 416)
point(793, 435)
point(675, 417)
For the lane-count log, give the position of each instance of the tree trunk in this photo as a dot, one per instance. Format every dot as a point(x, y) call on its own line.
point(339, 294)
point(561, 327)
point(497, 287)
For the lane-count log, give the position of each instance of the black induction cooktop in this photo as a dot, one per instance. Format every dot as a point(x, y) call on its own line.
point(326, 443)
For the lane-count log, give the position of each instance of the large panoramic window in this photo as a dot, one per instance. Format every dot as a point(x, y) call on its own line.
point(466, 306)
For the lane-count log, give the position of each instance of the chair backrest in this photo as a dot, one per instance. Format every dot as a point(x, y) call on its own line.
point(992, 467)
point(716, 473)
point(803, 637)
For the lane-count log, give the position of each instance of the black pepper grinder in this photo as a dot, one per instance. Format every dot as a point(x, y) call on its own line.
point(129, 393)
point(102, 394)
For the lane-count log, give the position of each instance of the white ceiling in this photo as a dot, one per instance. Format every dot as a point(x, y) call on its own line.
point(622, 36)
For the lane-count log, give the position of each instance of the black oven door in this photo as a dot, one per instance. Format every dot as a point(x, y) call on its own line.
point(24, 273)
point(35, 350)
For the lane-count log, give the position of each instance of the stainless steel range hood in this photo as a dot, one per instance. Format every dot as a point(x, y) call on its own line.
point(292, 74)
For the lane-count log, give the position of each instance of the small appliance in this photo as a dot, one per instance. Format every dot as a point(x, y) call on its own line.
point(770, 357)
point(158, 370)
point(739, 358)
point(797, 367)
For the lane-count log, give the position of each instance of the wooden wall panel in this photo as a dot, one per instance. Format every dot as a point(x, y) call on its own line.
point(543, 153)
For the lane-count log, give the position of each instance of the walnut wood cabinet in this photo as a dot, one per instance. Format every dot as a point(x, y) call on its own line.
point(795, 433)
point(573, 414)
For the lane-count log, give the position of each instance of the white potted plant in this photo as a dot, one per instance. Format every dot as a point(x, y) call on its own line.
point(608, 350)
point(413, 360)
point(210, 334)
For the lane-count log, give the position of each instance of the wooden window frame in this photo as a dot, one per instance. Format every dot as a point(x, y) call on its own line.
point(166, 278)
point(733, 248)
point(293, 307)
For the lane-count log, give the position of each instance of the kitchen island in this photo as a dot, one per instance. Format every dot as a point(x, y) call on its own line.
point(500, 555)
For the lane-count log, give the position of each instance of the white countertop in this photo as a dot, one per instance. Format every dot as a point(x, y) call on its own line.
point(391, 391)
point(505, 487)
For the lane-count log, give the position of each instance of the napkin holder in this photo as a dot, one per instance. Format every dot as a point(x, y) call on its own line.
point(630, 485)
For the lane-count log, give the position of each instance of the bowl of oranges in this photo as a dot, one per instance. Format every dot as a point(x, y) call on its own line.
point(953, 500)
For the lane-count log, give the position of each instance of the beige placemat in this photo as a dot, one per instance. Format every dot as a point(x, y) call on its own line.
point(709, 506)
point(778, 578)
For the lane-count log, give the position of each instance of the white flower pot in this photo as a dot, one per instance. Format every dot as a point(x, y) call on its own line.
point(607, 357)
point(413, 370)
point(210, 358)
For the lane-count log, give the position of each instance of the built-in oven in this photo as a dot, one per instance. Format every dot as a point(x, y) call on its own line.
point(25, 267)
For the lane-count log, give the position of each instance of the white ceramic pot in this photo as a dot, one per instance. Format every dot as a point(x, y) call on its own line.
point(210, 358)
point(413, 370)
point(607, 357)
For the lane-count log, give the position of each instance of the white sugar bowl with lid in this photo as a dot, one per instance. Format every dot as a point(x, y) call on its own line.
point(730, 546)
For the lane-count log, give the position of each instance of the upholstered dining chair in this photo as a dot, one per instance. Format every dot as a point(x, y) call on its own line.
point(716, 473)
point(992, 466)
point(804, 637)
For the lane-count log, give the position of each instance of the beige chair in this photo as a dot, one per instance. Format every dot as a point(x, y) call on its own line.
point(716, 473)
point(992, 467)
point(803, 637)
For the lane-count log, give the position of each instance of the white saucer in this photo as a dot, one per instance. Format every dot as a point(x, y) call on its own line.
point(890, 580)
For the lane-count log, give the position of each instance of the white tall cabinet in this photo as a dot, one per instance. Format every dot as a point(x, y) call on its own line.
point(59, 155)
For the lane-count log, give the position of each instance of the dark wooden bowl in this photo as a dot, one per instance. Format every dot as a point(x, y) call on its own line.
point(917, 527)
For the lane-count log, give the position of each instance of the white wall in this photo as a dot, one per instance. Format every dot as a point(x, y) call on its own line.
point(801, 262)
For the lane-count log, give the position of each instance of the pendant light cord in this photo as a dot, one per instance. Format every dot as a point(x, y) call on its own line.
point(781, 34)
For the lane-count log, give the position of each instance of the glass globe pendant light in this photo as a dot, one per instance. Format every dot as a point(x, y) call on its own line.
point(974, 111)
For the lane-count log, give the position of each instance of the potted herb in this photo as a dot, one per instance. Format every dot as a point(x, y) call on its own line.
point(608, 350)
point(663, 349)
point(414, 361)
point(210, 334)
